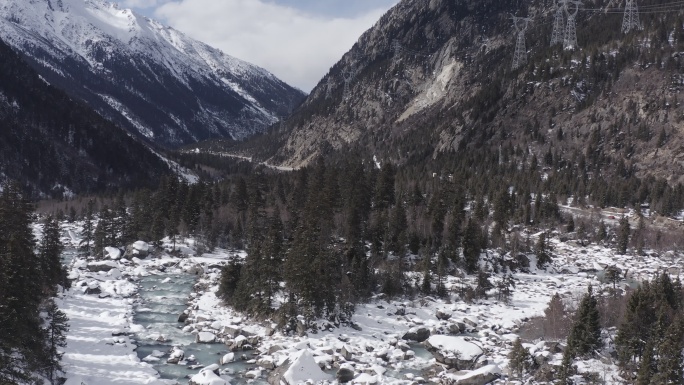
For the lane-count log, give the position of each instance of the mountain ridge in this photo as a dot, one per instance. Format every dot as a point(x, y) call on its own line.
point(162, 85)
point(55, 146)
point(435, 78)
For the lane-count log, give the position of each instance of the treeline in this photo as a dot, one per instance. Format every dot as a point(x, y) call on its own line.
point(325, 237)
point(33, 328)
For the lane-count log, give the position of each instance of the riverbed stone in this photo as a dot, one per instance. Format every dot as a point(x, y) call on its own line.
point(417, 334)
point(344, 375)
point(266, 363)
point(442, 315)
point(346, 353)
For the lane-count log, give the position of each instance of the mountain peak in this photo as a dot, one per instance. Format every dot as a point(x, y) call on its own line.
point(153, 79)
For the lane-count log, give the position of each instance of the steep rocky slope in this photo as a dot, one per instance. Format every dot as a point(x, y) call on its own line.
point(150, 78)
point(435, 77)
point(54, 146)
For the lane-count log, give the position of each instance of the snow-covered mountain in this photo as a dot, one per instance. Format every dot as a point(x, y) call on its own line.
point(150, 78)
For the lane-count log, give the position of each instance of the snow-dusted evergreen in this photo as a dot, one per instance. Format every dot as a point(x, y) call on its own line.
point(152, 79)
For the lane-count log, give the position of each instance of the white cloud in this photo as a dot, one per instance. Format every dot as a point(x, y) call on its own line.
point(295, 46)
point(139, 3)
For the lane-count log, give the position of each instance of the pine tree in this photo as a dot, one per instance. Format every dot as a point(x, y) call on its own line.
point(669, 369)
point(519, 359)
point(120, 221)
point(602, 232)
point(230, 278)
point(483, 284)
point(638, 323)
point(623, 235)
point(99, 239)
point(647, 365)
point(471, 245)
point(505, 288)
point(50, 251)
point(555, 318)
point(543, 251)
point(585, 335)
point(426, 283)
point(20, 285)
point(87, 235)
point(56, 327)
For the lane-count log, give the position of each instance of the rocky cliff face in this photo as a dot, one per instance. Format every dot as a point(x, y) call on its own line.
point(152, 79)
point(435, 77)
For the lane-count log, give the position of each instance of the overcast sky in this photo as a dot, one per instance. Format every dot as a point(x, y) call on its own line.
point(297, 40)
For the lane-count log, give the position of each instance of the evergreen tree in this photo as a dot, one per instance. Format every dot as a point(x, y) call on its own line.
point(555, 318)
point(87, 234)
point(20, 286)
point(426, 283)
point(602, 232)
point(55, 329)
point(483, 284)
point(120, 221)
point(505, 288)
point(230, 278)
point(471, 245)
point(623, 235)
point(99, 239)
point(519, 359)
point(543, 251)
point(585, 334)
point(669, 368)
point(647, 365)
point(384, 195)
point(50, 251)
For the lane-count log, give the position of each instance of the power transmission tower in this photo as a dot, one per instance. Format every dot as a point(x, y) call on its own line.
point(570, 40)
point(520, 24)
point(557, 35)
point(631, 19)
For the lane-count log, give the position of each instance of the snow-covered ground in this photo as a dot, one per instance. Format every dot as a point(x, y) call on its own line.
point(384, 345)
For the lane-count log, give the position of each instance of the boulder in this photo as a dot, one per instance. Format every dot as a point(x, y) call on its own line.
point(230, 331)
point(346, 354)
point(138, 249)
point(112, 253)
point(266, 363)
point(205, 338)
point(208, 376)
point(103, 266)
point(195, 269)
point(417, 334)
point(299, 368)
point(301, 329)
point(344, 374)
point(481, 376)
point(227, 358)
point(93, 289)
point(454, 352)
point(176, 356)
point(442, 315)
